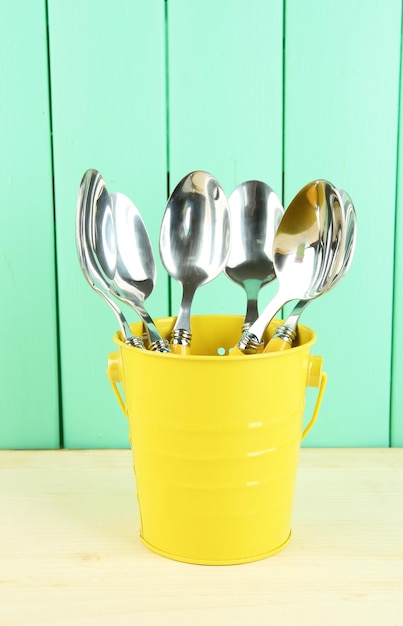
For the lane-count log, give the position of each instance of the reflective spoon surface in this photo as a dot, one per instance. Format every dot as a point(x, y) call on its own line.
point(304, 252)
point(285, 334)
point(194, 243)
point(135, 272)
point(255, 212)
point(92, 193)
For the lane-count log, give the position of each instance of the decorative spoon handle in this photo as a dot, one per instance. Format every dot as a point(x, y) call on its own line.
point(251, 340)
point(285, 334)
point(181, 336)
point(136, 342)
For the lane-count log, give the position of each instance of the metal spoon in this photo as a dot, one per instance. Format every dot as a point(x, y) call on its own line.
point(255, 212)
point(350, 219)
point(92, 192)
point(135, 272)
point(305, 253)
point(285, 334)
point(194, 243)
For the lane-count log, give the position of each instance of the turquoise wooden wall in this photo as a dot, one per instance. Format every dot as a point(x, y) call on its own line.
point(283, 91)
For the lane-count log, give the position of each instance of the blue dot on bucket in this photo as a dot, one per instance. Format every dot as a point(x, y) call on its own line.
point(221, 351)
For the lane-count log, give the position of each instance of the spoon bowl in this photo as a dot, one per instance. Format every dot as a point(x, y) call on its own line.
point(305, 251)
point(94, 216)
point(255, 212)
point(194, 243)
point(285, 334)
point(135, 273)
point(350, 220)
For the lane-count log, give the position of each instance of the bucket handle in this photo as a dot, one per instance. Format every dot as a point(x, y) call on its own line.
point(114, 373)
point(316, 378)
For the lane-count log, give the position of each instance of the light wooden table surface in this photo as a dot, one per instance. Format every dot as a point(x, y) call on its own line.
point(70, 552)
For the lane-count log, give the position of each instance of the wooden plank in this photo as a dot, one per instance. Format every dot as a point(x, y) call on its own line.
point(397, 354)
point(108, 95)
point(82, 562)
point(28, 339)
point(341, 99)
point(225, 107)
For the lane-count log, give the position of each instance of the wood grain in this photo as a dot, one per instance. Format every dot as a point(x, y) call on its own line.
point(108, 96)
point(29, 404)
point(279, 91)
point(341, 124)
point(70, 552)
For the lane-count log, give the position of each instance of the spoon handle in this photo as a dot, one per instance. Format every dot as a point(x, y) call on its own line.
point(286, 333)
point(157, 343)
point(181, 335)
point(251, 340)
point(251, 312)
point(278, 344)
point(128, 338)
point(180, 348)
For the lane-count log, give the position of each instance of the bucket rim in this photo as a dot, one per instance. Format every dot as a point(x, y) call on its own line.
point(118, 340)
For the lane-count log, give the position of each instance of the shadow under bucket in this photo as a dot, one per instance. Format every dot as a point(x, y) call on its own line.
point(215, 440)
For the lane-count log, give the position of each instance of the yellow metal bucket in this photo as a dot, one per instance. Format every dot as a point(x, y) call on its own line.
point(215, 440)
